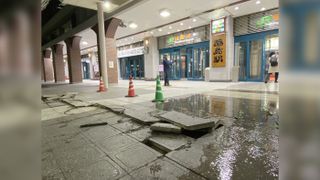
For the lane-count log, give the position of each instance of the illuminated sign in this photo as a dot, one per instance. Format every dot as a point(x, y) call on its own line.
point(219, 50)
point(181, 38)
point(131, 52)
point(268, 21)
point(218, 26)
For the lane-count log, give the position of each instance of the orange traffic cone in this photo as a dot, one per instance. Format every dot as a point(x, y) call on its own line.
point(131, 92)
point(102, 88)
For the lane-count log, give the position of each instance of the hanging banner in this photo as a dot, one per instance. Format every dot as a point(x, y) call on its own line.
point(219, 50)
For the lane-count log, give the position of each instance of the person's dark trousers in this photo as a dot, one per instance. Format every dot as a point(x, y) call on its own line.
point(166, 78)
point(277, 76)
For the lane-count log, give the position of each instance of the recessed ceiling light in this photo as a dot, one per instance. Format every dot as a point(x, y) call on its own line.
point(263, 9)
point(181, 24)
point(160, 30)
point(151, 32)
point(258, 2)
point(190, 27)
point(170, 27)
point(168, 33)
point(178, 30)
point(165, 13)
point(107, 5)
point(133, 25)
point(236, 8)
point(84, 43)
point(194, 34)
point(194, 20)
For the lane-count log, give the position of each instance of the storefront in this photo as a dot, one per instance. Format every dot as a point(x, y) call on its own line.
point(131, 61)
point(256, 36)
point(188, 51)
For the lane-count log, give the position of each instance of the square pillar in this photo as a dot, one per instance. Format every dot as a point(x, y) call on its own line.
point(58, 64)
point(74, 59)
point(47, 66)
point(151, 58)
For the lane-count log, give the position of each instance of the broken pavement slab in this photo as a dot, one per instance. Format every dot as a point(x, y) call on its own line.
point(187, 122)
point(141, 116)
point(165, 127)
point(224, 121)
point(114, 108)
point(76, 103)
point(169, 142)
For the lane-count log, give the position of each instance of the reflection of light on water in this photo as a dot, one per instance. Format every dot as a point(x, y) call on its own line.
point(225, 163)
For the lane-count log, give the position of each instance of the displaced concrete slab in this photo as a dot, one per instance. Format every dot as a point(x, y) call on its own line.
point(76, 103)
point(224, 121)
point(101, 133)
point(141, 134)
point(187, 122)
point(114, 108)
point(136, 156)
point(80, 110)
point(169, 142)
point(141, 116)
point(163, 168)
point(165, 127)
point(127, 126)
point(102, 170)
point(116, 143)
point(69, 95)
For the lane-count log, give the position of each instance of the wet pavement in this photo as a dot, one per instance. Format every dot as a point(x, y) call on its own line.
point(246, 146)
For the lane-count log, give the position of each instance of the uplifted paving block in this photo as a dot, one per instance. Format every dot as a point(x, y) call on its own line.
point(143, 117)
point(170, 142)
point(187, 122)
point(165, 127)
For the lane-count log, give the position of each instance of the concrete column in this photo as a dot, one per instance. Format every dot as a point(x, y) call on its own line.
point(111, 26)
point(151, 58)
point(102, 44)
point(58, 64)
point(74, 59)
point(224, 73)
point(48, 66)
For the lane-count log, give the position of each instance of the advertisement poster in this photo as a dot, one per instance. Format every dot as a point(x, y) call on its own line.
point(219, 50)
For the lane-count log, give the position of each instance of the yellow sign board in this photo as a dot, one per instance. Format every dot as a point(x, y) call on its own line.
point(219, 50)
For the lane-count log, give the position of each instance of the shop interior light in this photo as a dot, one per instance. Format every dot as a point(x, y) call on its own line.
point(236, 8)
point(258, 2)
point(133, 25)
point(165, 13)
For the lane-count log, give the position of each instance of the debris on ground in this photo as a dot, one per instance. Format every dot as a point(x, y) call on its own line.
point(93, 124)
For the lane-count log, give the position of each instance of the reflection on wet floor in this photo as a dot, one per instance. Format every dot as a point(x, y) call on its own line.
point(249, 149)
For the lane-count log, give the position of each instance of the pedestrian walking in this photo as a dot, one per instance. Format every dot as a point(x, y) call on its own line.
point(272, 66)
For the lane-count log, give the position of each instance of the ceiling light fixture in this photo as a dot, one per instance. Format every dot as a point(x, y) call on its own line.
point(194, 20)
point(133, 25)
point(170, 27)
point(178, 30)
point(168, 33)
point(258, 2)
point(107, 5)
point(160, 30)
point(236, 8)
point(84, 43)
point(151, 32)
point(181, 24)
point(165, 13)
point(263, 9)
point(190, 27)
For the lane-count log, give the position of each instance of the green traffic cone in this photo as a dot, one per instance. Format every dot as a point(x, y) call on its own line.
point(159, 95)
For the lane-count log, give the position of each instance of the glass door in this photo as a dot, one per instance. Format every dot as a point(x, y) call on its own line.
point(176, 65)
point(241, 59)
point(255, 68)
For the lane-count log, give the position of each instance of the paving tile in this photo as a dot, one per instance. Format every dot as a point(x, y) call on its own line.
point(136, 156)
point(116, 143)
point(101, 132)
point(187, 122)
point(102, 170)
point(127, 126)
point(163, 169)
point(49, 167)
point(95, 118)
point(170, 142)
point(165, 127)
point(141, 134)
point(141, 116)
point(71, 159)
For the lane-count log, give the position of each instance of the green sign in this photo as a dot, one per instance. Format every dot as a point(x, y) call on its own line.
point(170, 40)
point(264, 21)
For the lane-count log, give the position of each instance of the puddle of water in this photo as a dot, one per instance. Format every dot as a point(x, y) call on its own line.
point(248, 149)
